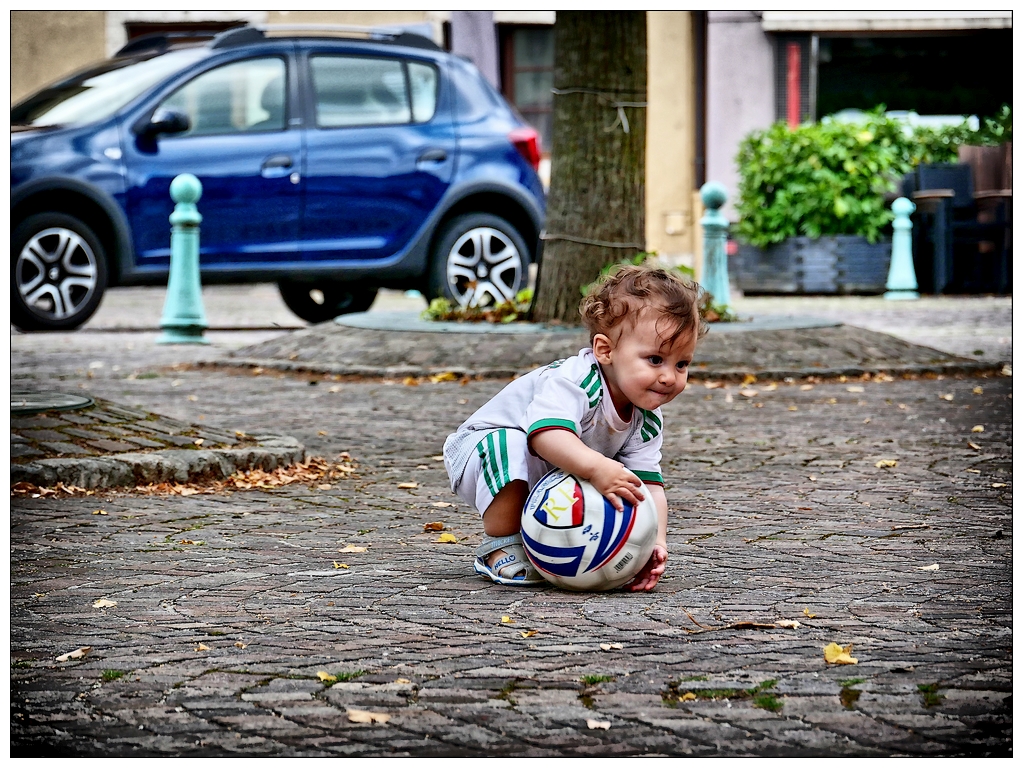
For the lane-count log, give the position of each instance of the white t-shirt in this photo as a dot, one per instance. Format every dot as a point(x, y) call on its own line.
point(567, 394)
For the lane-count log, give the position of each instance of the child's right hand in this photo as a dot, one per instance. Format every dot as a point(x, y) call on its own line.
point(615, 482)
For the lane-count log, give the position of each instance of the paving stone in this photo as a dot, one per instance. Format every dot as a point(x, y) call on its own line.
point(77, 418)
point(35, 422)
point(22, 450)
point(65, 448)
point(111, 445)
point(85, 434)
point(144, 442)
point(42, 434)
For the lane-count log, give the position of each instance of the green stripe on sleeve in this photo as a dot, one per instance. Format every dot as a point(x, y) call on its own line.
point(483, 464)
point(502, 437)
point(542, 424)
point(649, 477)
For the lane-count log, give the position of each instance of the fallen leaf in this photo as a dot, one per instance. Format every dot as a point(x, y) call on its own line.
point(886, 463)
point(974, 471)
point(202, 647)
point(931, 567)
point(322, 432)
point(364, 716)
point(43, 594)
point(100, 512)
point(528, 633)
point(866, 421)
point(324, 487)
point(806, 612)
point(240, 644)
point(854, 389)
point(340, 565)
point(408, 486)
point(836, 654)
point(352, 548)
point(442, 504)
point(806, 388)
point(446, 376)
point(446, 538)
point(748, 392)
point(832, 400)
point(410, 381)
point(198, 441)
point(973, 445)
point(609, 646)
point(189, 491)
point(507, 620)
point(789, 624)
point(104, 603)
point(438, 458)
point(978, 390)
point(713, 384)
point(186, 541)
point(978, 428)
point(78, 654)
point(326, 676)
point(602, 724)
point(793, 408)
point(403, 681)
point(997, 485)
point(193, 398)
point(771, 387)
point(433, 526)
point(688, 696)
point(949, 396)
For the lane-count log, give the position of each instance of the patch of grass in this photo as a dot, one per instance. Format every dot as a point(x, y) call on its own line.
point(147, 375)
point(21, 664)
point(594, 679)
point(849, 697)
point(693, 679)
point(112, 674)
point(343, 677)
point(677, 693)
point(506, 692)
point(849, 682)
point(930, 693)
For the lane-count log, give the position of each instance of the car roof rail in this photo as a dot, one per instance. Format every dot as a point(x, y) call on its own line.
point(158, 42)
point(258, 33)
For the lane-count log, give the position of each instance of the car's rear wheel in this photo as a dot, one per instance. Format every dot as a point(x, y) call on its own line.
point(478, 259)
point(58, 273)
point(317, 302)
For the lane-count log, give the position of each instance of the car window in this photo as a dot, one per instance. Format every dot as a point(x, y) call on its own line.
point(244, 96)
point(355, 90)
point(474, 98)
point(98, 92)
point(423, 86)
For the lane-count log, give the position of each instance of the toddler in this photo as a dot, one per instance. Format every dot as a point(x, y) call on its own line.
point(595, 415)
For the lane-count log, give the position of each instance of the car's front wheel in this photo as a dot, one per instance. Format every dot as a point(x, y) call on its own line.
point(478, 259)
point(58, 273)
point(317, 302)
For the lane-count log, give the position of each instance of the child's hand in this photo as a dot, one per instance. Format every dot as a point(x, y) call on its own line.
point(651, 573)
point(615, 482)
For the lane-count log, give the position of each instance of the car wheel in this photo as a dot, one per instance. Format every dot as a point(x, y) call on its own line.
point(58, 273)
point(479, 259)
point(317, 302)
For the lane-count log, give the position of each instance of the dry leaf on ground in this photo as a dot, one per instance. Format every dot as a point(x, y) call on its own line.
point(446, 376)
point(788, 624)
point(602, 724)
point(403, 681)
point(438, 526)
point(100, 512)
point(528, 633)
point(352, 548)
point(973, 445)
point(442, 504)
point(949, 396)
point(886, 463)
point(365, 716)
point(240, 644)
point(688, 696)
point(978, 428)
point(854, 389)
point(806, 612)
point(408, 486)
point(610, 646)
point(749, 378)
point(931, 567)
point(326, 676)
point(836, 654)
point(997, 485)
point(507, 620)
point(748, 392)
point(202, 647)
point(78, 654)
point(340, 565)
point(446, 538)
point(104, 603)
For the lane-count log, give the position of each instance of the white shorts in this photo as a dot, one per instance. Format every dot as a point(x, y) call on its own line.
point(501, 456)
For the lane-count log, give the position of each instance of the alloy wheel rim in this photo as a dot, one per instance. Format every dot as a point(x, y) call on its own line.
point(56, 273)
point(483, 267)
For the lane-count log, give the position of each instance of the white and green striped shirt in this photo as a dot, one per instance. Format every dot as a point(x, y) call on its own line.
point(567, 394)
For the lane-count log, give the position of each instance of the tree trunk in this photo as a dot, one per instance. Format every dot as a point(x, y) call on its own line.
point(595, 209)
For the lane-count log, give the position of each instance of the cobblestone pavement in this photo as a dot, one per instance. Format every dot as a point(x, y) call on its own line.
point(228, 607)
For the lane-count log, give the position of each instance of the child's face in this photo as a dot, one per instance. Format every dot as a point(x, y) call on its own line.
point(641, 367)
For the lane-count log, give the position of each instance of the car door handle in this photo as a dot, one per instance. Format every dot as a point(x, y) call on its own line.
point(278, 161)
point(433, 156)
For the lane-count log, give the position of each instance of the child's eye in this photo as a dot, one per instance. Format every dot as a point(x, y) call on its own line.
point(656, 360)
point(682, 365)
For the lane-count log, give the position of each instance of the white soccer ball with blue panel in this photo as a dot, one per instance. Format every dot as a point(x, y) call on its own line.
point(577, 540)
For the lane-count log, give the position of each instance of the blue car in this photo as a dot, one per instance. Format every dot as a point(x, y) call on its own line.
point(331, 164)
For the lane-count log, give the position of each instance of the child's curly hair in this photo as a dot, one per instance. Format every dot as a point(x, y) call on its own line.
point(624, 292)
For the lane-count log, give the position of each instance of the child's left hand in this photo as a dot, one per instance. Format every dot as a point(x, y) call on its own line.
point(651, 573)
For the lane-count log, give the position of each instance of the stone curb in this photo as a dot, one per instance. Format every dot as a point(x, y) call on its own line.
point(176, 465)
point(970, 367)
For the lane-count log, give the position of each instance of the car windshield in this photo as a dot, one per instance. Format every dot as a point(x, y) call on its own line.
point(98, 92)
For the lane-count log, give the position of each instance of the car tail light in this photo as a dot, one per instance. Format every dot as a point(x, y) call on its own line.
point(527, 142)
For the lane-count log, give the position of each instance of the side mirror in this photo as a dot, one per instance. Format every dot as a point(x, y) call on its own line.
point(163, 121)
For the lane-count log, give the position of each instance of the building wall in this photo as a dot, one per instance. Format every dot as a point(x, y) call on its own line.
point(740, 92)
point(46, 45)
point(671, 133)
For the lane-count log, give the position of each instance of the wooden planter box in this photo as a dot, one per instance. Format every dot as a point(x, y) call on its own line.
point(842, 264)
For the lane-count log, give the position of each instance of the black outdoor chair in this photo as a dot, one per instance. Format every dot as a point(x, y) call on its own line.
point(952, 221)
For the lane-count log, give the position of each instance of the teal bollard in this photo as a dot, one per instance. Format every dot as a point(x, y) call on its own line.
point(715, 235)
point(183, 319)
point(901, 274)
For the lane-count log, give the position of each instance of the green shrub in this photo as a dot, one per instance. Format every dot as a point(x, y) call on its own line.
point(830, 177)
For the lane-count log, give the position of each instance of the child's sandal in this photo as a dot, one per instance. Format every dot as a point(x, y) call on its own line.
point(513, 569)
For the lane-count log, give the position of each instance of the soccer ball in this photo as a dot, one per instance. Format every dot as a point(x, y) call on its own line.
point(577, 540)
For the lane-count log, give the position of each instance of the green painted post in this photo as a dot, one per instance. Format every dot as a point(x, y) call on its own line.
point(715, 235)
point(901, 275)
point(184, 319)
